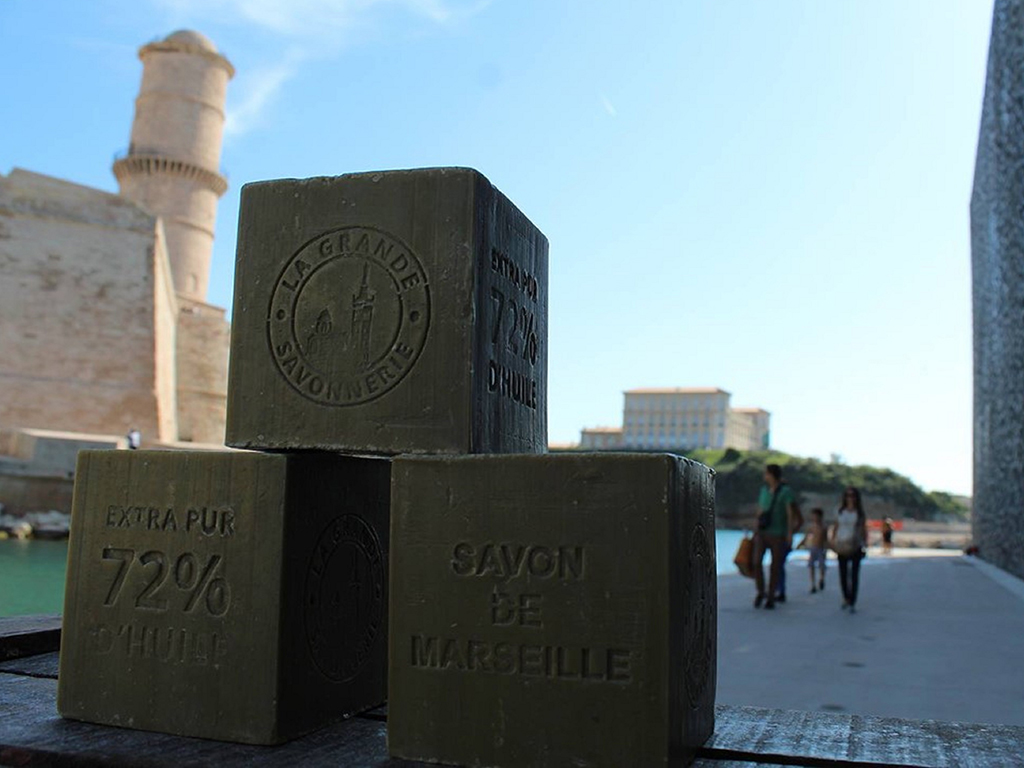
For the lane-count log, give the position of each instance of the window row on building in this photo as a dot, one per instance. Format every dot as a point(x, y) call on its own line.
point(681, 418)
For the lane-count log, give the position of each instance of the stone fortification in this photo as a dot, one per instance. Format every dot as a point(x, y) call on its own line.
point(104, 323)
point(37, 467)
point(87, 312)
point(997, 250)
point(171, 169)
point(202, 371)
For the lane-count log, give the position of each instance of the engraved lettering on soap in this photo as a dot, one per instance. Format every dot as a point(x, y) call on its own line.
point(349, 316)
point(511, 384)
point(516, 608)
point(699, 634)
point(556, 662)
point(515, 327)
point(515, 343)
point(204, 521)
point(160, 582)
point(519, 277)
point(506, 560)
point(523, 610)
point(344, 597)
point(166, 644)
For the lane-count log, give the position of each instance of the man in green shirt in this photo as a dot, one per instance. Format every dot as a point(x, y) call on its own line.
point(779, 520)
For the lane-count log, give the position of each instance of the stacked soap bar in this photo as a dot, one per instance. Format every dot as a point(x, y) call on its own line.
point(552, 610)
point(242, 596)
point(237, 596)
point(388, 313)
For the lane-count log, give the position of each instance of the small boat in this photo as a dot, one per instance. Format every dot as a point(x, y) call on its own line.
point(14, 528)
point(51, 531)
point(49, 525)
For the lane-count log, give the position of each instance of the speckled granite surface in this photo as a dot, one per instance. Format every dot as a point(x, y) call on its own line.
point(997, 251)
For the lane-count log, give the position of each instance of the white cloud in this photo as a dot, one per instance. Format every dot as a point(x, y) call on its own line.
point(315, 18)
point(320, 27)
point(608, 106)
point(254, 91)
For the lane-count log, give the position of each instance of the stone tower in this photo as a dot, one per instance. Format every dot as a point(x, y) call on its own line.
point(104, 323)
point(171, 168)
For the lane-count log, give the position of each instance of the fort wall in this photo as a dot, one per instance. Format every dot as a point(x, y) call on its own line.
point(81, 347)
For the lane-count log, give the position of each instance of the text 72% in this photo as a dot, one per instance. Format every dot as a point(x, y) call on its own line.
point(199, 583)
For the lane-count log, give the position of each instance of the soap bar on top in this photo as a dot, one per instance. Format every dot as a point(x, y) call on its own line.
point(234, 596)
point(552, 610)
point(394, 312)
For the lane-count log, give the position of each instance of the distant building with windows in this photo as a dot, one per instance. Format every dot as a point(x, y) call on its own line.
point(681, 418)
point(599, 438)
point(747, 428)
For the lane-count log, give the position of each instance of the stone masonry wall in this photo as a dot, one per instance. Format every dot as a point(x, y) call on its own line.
point(79, 271)
point(165, 341)
point(203, 339)
point(997, 252)
point(21, 494)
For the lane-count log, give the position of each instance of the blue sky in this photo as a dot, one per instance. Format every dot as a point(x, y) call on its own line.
point(769, 197)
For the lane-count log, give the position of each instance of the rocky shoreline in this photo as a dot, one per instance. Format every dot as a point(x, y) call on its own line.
point(922, 535)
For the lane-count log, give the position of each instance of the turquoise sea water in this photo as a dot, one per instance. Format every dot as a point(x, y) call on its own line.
point(32, 572)
point(726, 543)
point(32, 576)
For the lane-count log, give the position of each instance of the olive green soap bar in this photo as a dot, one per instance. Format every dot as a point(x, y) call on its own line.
point(387, 313)
point(552, 610)
point(233, 596)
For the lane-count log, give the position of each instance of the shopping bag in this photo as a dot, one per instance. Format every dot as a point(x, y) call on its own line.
point(745, 557)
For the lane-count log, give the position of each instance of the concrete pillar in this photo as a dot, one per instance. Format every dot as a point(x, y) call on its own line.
point(997, 251)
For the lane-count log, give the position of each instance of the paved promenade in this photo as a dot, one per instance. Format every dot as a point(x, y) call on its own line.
point(935, 636)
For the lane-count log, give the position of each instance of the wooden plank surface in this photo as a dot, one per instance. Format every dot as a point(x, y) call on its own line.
point(823, 739)
point(31, 734)
point(28, 635)
point(40, 665)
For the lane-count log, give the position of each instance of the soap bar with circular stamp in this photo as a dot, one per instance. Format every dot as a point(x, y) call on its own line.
point(394, 312)
point(552, 610)
point(225, 595)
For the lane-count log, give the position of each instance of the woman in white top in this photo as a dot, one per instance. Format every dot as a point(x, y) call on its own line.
point(848, 538)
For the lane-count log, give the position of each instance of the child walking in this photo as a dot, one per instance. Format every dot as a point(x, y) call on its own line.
point(815, 541)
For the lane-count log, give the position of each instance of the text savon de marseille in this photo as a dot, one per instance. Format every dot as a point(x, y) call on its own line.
point(520, 613)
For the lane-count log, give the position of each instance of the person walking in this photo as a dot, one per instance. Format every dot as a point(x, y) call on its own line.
point(848, 538)
point(796, 521)
point(887, 527)
point(778, 520)
point(815, 541)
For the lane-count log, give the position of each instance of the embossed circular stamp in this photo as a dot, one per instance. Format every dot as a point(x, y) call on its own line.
point(348, 316)
point(344, 597)
point(699, 632)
